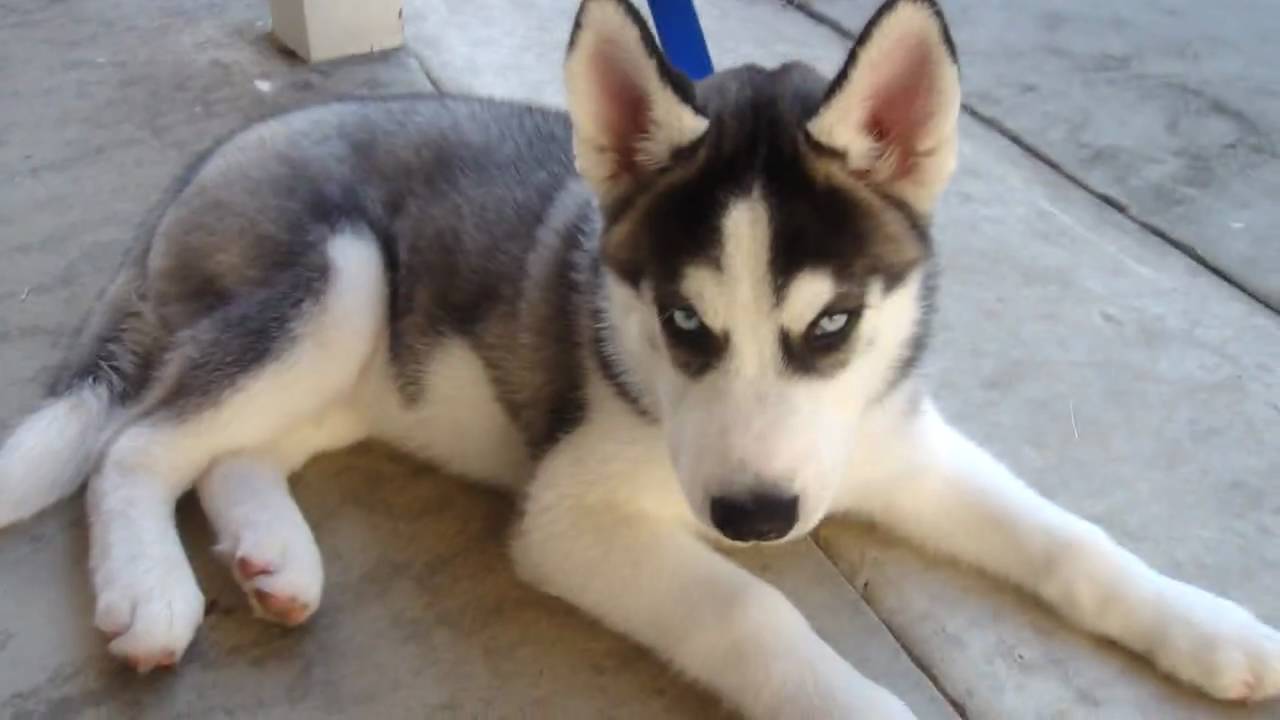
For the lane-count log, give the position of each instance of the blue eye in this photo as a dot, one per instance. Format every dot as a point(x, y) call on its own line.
point(830, 323)
point(685, 319)
point(829, 330)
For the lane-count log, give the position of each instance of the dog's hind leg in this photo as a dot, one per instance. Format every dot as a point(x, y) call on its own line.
point(239, 379)
point(263, 537)
point(940, 489)
point(261, 532)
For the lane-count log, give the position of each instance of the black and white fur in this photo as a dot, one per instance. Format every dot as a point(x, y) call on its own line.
point(679, 314)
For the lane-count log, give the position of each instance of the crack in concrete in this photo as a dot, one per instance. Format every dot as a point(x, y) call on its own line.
point(426, 72)
point(1116, 204)
point(957, 706)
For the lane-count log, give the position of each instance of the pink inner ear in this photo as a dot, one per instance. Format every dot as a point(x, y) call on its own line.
point(624, 109)
point(901, 101)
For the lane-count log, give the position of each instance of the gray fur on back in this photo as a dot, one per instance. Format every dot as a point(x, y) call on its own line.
point(486, 232)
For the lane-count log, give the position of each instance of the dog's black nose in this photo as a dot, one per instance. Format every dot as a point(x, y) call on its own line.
point(756, 517)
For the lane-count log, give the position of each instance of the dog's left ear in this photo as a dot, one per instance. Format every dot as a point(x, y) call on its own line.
point(893, 109)
point(631, 110)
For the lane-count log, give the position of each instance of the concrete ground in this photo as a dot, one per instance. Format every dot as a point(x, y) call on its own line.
point(1125, 380)
point(1169, 109)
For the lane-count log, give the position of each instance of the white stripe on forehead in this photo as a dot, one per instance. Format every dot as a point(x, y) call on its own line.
point(738, 298)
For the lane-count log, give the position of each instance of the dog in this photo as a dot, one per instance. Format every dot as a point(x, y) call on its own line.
point(678, 316)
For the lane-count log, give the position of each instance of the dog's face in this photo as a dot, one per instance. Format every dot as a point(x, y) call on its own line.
point(768, 266)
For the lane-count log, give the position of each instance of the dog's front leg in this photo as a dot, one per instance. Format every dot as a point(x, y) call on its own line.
point(945, 492)
point(652, 580)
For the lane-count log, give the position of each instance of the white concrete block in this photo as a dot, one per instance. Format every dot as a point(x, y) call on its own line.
point(325, 29)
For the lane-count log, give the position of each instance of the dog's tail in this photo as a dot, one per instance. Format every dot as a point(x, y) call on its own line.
point(52, 451)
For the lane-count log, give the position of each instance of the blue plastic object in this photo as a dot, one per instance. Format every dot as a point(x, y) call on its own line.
point(680, 35)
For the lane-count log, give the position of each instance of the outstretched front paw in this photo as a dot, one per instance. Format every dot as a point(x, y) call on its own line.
point(1216, 645)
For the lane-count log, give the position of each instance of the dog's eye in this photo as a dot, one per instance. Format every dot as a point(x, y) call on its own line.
point(830, 323)
point(829, 329)
point(684, 319)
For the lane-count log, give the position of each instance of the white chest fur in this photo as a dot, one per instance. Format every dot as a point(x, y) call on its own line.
point(458, 424)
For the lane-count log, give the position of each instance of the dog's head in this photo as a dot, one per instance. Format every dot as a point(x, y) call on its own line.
point(767, 262)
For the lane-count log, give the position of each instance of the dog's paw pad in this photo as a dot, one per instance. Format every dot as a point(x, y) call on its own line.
point(246, 569)
point(144, 664)
point(282, 581)
point(283, 609)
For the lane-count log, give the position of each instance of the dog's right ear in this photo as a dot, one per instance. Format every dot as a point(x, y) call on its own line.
point(631, 110)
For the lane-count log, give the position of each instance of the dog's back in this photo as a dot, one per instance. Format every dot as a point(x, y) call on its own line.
point(464, 198)
point(461, 180)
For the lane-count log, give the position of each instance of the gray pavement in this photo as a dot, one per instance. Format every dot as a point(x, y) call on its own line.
point(1124, 380)
point(1171, 108)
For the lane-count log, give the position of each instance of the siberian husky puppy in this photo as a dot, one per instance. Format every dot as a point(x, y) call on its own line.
point(677, 315)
